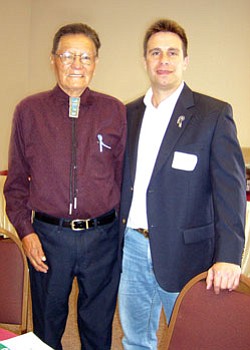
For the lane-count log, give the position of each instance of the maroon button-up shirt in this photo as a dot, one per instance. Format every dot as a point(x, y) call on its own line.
point(41, 154)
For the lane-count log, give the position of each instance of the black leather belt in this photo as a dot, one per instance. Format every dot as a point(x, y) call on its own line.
point(77, 224)
point(143, 231)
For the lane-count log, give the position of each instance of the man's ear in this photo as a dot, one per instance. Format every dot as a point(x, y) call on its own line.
point(186, 62)
point(97, 60)
point(52, 59)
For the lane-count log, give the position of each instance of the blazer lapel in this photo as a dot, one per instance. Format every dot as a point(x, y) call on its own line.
point(178, 123)
point(134, 128)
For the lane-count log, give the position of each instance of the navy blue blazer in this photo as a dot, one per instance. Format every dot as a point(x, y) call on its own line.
point(196, 198)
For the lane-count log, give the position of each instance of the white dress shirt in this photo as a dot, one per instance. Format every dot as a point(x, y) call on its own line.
point(154, 126)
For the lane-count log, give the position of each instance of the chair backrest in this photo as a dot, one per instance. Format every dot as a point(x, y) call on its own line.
point(14, 283)
point(202, 320)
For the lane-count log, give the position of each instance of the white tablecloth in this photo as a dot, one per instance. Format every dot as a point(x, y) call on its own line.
point(246, 255)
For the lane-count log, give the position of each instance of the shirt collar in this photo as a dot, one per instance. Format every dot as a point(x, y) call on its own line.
point(173, 97)
point(86, 97)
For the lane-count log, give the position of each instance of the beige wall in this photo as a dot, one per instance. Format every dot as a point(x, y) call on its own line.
point(14, 64)
point(219, 49)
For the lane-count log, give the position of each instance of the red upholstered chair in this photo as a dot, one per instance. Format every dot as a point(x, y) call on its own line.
point(202, 320)
point(14, 284)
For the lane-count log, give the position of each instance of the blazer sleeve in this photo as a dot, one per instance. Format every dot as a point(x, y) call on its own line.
point(227, 171)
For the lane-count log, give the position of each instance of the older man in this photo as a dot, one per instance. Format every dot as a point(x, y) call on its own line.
point(65, 162)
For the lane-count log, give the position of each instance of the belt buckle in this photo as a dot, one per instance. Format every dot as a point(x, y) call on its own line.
point(73, 222)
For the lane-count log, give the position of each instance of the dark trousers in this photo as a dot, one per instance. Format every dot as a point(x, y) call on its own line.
point(91, 256)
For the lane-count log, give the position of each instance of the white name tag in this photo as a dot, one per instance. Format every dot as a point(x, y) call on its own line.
point(184, 161)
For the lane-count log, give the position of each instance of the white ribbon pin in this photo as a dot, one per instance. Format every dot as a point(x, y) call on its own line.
point(101, 143)
point(180, 120)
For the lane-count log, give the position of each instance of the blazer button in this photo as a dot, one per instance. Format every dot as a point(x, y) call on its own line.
point(124, 221)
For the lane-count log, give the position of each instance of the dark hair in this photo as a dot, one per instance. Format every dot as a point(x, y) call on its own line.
point(76, 28)
point(166, 25)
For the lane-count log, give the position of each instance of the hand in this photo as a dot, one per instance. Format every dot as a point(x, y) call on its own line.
point(33, 250)
point(223, 276)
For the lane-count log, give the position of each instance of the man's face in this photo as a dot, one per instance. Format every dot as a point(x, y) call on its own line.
point(165, 62)
point(74, 77)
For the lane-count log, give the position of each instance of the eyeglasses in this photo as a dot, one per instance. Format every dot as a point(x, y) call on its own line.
point(68, 58)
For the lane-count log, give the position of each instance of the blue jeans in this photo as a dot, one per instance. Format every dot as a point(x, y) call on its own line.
point(140, 296)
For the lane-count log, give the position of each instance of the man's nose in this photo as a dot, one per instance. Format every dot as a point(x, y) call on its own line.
point(164, 58)
point(77, 62)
